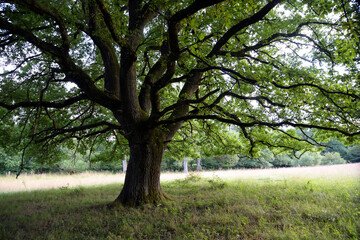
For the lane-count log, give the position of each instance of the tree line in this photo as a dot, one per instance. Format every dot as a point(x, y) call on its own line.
point(335, 152)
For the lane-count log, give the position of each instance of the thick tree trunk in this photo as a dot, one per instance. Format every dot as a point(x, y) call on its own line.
point(142, 181)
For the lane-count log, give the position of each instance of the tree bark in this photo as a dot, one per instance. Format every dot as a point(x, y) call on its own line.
point(142, 181)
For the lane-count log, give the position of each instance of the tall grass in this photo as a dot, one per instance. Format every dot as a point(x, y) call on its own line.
point(46, 181)
point(201, 208)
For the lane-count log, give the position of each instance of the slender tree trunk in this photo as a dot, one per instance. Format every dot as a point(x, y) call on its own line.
point(185, 165)
point(142, 181)
point(124, 164)
point(198, 164)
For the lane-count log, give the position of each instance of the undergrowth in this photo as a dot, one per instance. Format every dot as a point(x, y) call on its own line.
point(200, 209)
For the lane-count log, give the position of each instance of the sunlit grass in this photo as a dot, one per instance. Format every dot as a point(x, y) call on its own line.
point(28, 182)
point(263, 207)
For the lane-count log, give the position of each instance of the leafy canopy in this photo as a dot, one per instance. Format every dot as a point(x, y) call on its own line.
point(263, 66)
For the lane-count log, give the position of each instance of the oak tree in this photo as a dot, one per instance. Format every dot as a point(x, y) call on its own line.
point(139, 72)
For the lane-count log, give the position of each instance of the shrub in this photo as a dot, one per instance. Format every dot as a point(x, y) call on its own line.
point(332, 158)
point(310, 159)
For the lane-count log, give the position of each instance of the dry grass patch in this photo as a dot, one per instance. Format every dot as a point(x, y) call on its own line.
point(46, 181)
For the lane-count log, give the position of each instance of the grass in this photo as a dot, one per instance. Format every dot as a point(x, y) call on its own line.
point(28, 182)
point(202, 208)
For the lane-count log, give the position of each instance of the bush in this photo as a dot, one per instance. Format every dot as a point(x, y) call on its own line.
point(219, 162)
point(171, 164)
point(354, 154)
point(283, 161)
point(9, 162)
point(310, 159)
point(246, 162)
point(332, 158)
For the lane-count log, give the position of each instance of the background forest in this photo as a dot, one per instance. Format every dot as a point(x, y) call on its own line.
point(72, 161)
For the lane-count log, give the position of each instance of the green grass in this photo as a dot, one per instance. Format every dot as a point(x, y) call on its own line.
point(201, 208)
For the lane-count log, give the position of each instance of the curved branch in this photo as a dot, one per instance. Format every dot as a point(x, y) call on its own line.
point(56, 132)
point(186, 102)
point(31, 38)
point(278, 37)
point(146, 96)
point(27, 59)
point(315, 86)
point(300, 139)
point(243, 24)
point(255, 123)
point(35, 6)
point(256, 98)
point(73, 72)
point(182, 14)
point(57, 105)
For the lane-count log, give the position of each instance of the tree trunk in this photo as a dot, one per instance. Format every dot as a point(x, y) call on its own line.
point(124, 164)
point(198, 164)
point(142, 181)
point(185, 165)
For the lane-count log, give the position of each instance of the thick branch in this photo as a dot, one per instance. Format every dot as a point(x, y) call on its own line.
point(192, 9)
point(74, 73)
point(35, 6)
point(111, 25)
point(182, 14)
point(190, 86)
point(107, 50)
point(149, 94)
point(30, 37)
point(56, 105)
point(173, 42)
point(187, 102)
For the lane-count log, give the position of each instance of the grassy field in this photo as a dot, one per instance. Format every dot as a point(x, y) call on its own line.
point(297, 203)
point(27, 182)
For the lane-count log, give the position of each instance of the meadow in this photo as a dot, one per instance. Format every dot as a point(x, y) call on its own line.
point(296, 203)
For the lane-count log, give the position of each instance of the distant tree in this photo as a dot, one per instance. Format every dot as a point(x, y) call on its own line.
point(210, 163)
point(171, 164)
point(310, 159)
point(247, 162)
point(354, 154)
point(8, 163)
point(263, 161)
point(283, 160)
point(220, 162)
point(332, 158)
point(334, 146)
